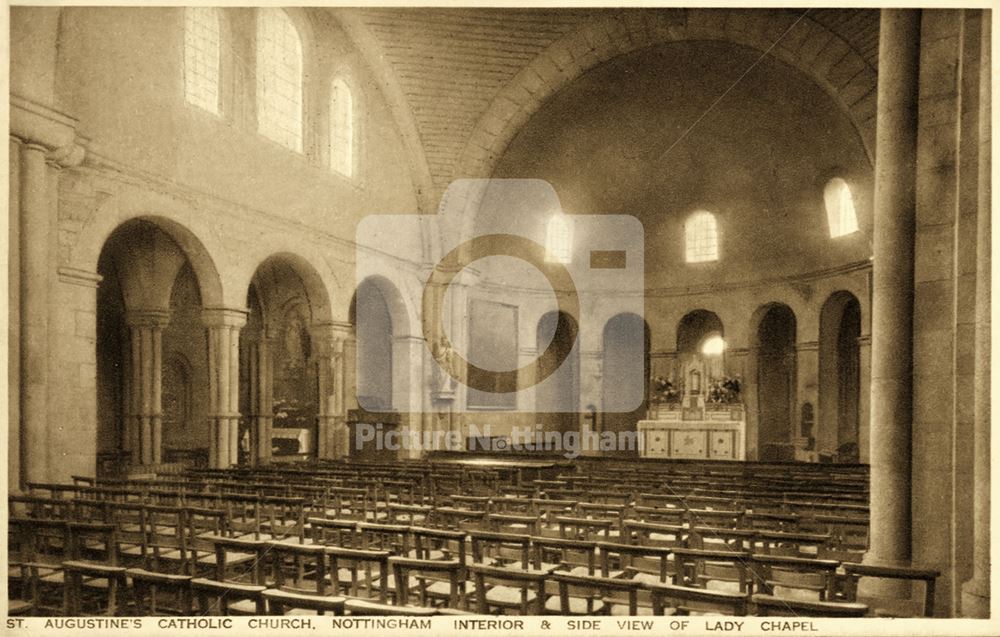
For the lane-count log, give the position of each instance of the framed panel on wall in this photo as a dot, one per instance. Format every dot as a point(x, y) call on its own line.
point(493, 346)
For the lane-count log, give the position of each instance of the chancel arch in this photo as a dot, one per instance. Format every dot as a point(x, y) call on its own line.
point(840, 377)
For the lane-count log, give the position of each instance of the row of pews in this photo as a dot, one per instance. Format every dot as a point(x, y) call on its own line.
point(424, 538)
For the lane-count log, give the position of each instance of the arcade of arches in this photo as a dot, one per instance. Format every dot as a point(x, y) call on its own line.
point(184, 289)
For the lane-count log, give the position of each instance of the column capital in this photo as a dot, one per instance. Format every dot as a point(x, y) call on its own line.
point(737, 351)
point(807, 346)
point(336, 330)
point(224, 317)
point(148, 317)
point(663, 354)
point(68, 156)
point(327, 336)
point(46, 129)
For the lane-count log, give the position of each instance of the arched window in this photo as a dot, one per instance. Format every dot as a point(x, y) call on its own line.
point(840, 211)
point(202, 43)
point(700, 238)
point(341, 128)
point(279, 79)
point(559, 239)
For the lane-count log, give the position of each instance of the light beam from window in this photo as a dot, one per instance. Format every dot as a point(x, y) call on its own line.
point(559, 239)
point(279, 79)
point(840, 212)
point(341, 128)
point(202, 43)
point(701, 241)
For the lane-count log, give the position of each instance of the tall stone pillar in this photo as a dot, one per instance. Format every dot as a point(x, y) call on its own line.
point(42, 142)
point(976, 592)
point(223, 383)
point(145, 398)
point(14, 317)
point(349, 387)
point(261, 378)
point(892, 286)
point(864, 398)
point(328, 343)
point(36, 228)
point(806, 389)
point(409, 391)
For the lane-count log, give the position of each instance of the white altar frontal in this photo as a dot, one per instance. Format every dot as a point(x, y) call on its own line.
point(694, 429)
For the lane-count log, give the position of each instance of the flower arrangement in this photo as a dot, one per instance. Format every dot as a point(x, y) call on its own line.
point(724, 391)
point(664, 391)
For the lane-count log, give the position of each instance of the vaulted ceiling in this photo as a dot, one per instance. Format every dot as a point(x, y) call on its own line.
point(450, 64)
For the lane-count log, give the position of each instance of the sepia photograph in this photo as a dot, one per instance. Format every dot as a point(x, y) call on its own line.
point(500, 319)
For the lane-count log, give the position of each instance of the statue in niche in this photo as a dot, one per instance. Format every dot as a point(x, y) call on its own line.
point(445, 356)
point(296, 342)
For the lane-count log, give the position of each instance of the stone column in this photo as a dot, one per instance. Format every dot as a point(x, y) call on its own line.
point(348, 387)
point(892, 287)
point(14, 317)
point(328, 343)
point(806, 388)
point(409, 390)
point(223, 383)
point(864, 398)
point(40, 138)
point(750, 403)
point(737, 361)
point(976, 592)
point(145, 399)
point(260, 376)
point(36, 229)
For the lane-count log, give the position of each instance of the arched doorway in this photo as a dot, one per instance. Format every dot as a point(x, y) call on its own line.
point(840, 378)
point(775, 347)
point(557, 398)
point(280, 362)
point(626, 340)
point(151, 350)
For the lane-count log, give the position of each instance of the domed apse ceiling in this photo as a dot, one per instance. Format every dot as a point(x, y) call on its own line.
point(635, 136)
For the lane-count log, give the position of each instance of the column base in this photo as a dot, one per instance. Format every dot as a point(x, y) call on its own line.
point(976, 599)
point(875, 588)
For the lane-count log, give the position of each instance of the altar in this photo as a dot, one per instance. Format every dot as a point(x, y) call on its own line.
point(698, 426)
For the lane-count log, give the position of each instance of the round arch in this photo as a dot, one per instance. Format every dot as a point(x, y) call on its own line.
point(180, 222)
point(381, 350)
point(839, 376)
point(626, 336)
point(557, 398)
point(308, 275)
point(695, 326)
point(773, 337)
point(596, 42)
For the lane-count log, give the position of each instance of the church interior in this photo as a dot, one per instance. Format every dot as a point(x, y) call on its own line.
point(223, 231)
